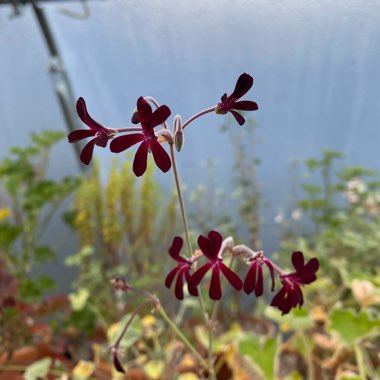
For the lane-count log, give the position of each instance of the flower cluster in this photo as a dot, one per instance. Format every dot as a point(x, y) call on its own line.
point(148, 134)
point(152, 132)
point(290, 294)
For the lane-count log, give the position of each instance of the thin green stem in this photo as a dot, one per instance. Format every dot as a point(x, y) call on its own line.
point(360, 361)
point(210, 362)
point(181, 202)
point(130, 320)
point(185, 224)
point(309, 355)
point(181, 336)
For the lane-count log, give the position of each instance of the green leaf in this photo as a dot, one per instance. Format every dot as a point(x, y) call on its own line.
point(38, 370)
point(47, 138)
point(44, 254)
point(78, 300)
point(8, 234)
point(261, 352)
point(297, 319)
point(351, 326)
point(33, 289)
point(77, 259)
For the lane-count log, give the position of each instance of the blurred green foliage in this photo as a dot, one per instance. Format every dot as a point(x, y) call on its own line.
point(29, 200)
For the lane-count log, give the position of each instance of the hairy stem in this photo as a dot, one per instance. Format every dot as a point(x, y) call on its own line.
point(199, 114)
point(187, 343)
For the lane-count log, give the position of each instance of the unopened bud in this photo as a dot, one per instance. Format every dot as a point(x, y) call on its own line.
point(178, 133)
point(135, 117)
point(178, 140)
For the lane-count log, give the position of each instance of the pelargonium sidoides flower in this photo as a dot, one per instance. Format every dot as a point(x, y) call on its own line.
point(149, 120)
point(210, 247)
point(290, 295)
point(100, 133)
point(231, 104)
point(181, 271)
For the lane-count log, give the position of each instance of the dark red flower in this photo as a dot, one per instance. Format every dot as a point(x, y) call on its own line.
point(254, 281)
point(149, 120)
point(290, 294)
point(230, 103)
point(210, 247)
point(182, 270)
point(101, 134)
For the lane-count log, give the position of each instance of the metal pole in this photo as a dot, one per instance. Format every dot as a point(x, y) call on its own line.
point(61, 81)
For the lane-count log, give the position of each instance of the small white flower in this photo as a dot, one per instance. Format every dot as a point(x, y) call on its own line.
point(296, 214)
point(279, 218)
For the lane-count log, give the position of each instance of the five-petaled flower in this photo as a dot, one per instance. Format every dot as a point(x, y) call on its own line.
point(210, 247)
point(230, 103)
point(254, 281)
point(182, 270)
point(290, 294)
point(149, 120)
point(101, 134)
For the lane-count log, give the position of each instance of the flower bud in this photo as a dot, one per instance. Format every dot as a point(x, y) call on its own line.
point(135, 117)
point(178, 133)
point(178, 140)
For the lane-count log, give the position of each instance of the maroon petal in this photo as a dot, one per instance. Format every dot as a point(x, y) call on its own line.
point(312, 265)
point(216, 240)
point(206, 247)
point(170, 277)
point(117, 364)
point(190, 286)
point(87, 152)
point(250, 279)
point(160, 115)
point(298, 260)
point(271, 271)
point(101, 140)
point(245, 105)
point(126, 141)
point(215, 291)
point(179, 285)
point(298, 296)
point(141, 159)
point(198, 275)
point(305, 278)
point(80, 134)
point(243, 85)
point(86, 118)
point(240, 119)
point(161, 158)
point(279, 297)
point(145, 113)
point(231, 276)
point(175, 249)
point(259, 289)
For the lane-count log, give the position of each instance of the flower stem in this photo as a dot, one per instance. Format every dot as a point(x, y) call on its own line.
point(190, 252)
point(181, 336)
point(181, 202)
point(360, 361)
point(210, 361)
point(119, 130)
point(130, 320)
point(199, 114)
